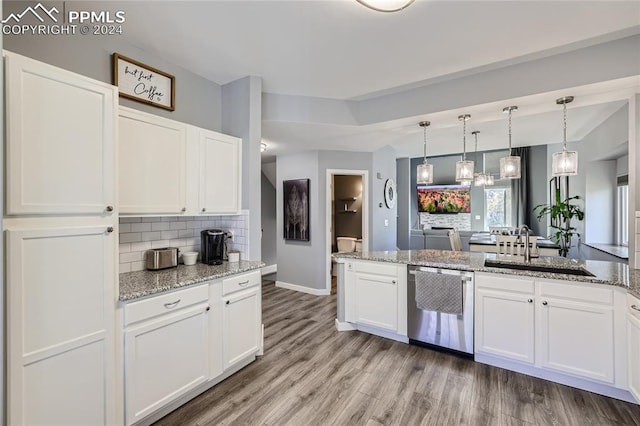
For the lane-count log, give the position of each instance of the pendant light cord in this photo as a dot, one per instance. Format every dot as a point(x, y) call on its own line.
point(564, 109)
point(510, 150)
point(464, 139)
point(424, 161)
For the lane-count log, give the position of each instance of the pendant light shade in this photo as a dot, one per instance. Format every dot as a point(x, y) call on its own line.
point(481, 178)
point(564, 163)
point(386, 5)
point(510, 165)
point(464, 168)
point(424, 171)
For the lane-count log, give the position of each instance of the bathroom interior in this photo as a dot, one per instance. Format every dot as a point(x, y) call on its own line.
point(346, 217)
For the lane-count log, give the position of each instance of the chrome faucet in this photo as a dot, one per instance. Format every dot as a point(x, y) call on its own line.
point(527, 250)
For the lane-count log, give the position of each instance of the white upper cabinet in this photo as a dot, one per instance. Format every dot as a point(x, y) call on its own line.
point(152, 164)
point(60, 131)
point(220, 163)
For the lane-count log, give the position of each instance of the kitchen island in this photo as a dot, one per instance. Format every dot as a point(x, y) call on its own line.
point(560, 319)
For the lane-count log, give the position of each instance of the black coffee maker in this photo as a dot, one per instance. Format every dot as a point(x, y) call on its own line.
point(213, 244)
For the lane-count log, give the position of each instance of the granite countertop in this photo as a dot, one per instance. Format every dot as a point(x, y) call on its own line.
point(135, 285)
point(610, 273)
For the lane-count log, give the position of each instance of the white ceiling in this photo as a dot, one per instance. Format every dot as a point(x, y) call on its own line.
point(341, 50)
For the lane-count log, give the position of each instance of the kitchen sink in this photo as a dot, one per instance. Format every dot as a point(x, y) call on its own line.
point(538, 268)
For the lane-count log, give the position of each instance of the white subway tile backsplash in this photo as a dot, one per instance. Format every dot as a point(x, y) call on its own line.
point(139, 234)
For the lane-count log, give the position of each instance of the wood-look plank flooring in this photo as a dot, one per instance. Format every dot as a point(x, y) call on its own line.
point(311, 374)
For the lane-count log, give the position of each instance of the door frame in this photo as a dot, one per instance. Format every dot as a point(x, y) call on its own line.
point(364, 174)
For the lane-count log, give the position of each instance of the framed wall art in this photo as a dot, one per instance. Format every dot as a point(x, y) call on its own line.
point(296, 209)
point(143, 83)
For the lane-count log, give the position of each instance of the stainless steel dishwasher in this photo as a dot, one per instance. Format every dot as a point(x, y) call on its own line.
point(446, 323)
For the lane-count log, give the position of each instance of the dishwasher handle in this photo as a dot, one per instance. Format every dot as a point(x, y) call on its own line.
point(464, 276)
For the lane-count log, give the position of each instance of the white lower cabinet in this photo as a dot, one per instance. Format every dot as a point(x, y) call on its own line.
point(166, 349)
point(241, 318)
point(633, 345)
point(376, 296)
point(504, 323)
point(572, 330)
point(61, 356)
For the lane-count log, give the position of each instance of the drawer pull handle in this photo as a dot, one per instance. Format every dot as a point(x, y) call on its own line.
point(393, 281)
point(634, 307)
point(228, 302)
point(208, 308)
point(530, 300)
point(109, 208)
point(545, 303)
point(244, 283)
point(172, 304)
point(184, 209)
point(110, 229)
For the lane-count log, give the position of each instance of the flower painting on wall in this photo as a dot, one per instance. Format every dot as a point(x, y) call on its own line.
point(439, 199)
point(296, 209)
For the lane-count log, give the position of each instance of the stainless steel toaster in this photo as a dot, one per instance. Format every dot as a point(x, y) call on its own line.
point(161, 258)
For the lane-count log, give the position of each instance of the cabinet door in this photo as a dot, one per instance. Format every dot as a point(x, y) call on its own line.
point(504, 325)
point(241, 325)
point(216, 362)
point(633, 342)
point(350, 311)
point(220, 164)
point(577, 338)
point(54, 118)
point(61, 326)
point(377, 300)
point(164, 359)
point(152, 163)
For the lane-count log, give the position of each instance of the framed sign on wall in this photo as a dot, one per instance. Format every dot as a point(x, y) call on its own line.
point(143, 83)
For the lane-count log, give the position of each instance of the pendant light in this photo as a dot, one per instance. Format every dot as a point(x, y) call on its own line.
point(424, 172)
point(464, 168)
point(482, 178)
point(564, 163)
point(510, 165)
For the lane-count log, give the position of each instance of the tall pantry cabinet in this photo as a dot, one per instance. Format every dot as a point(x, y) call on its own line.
point(61, 243)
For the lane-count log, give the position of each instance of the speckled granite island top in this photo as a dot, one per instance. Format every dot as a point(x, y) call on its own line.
point(610, 273)
point(135, 285)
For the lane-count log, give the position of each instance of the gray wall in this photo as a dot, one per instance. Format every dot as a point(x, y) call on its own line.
point(403, 231)
point(346, 223)
point(242, 117)
point(268, 221)
point(383, 220)
point(198, 100)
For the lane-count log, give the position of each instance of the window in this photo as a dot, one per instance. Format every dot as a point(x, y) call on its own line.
point(622, 211)
point(497, 207)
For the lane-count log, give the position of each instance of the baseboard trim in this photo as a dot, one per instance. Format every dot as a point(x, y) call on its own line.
point(303, 289)
point(270, 269)
point(344, 326)
point(563, 379)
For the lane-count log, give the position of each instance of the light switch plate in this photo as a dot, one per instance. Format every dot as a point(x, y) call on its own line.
point(386, 222)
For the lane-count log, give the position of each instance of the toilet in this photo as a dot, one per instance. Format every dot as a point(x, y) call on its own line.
point(346, 244)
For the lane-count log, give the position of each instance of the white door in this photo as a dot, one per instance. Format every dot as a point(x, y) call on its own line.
point(152, 163)
point(220, 164)
point(504, 325)
point(577, 338)
point(377, 301)
point(61, 313)
point(241, 325)
point(164, 359)
point(54, 118)
point(633, 342)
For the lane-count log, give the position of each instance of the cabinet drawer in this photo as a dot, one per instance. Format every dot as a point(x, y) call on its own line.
point(240, 282)
point(579, 292)
point(163, 303)
point(390, 270)
point(505, 283)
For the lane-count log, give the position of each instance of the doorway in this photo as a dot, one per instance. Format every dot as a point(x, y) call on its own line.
point(347, 212)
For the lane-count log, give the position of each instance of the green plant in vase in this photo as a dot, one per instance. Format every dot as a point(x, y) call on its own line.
point(562, 212)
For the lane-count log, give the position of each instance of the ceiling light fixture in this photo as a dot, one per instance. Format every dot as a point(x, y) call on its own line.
point(386, 5)
point(482, 178)
point(424, 171)
point(464, 168)
point(510, 165)
point(263, 147)
point(564, 163)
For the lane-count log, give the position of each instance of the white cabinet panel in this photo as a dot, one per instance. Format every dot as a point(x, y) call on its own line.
point(61, 325)
point(220, 175)
point(165, 358)
point(152, 163)
point(241, 325)
point(55, 118)
point(505, 324)
point(577, 338)
point(216, 361)
point(633, 344)
point(377, 301)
